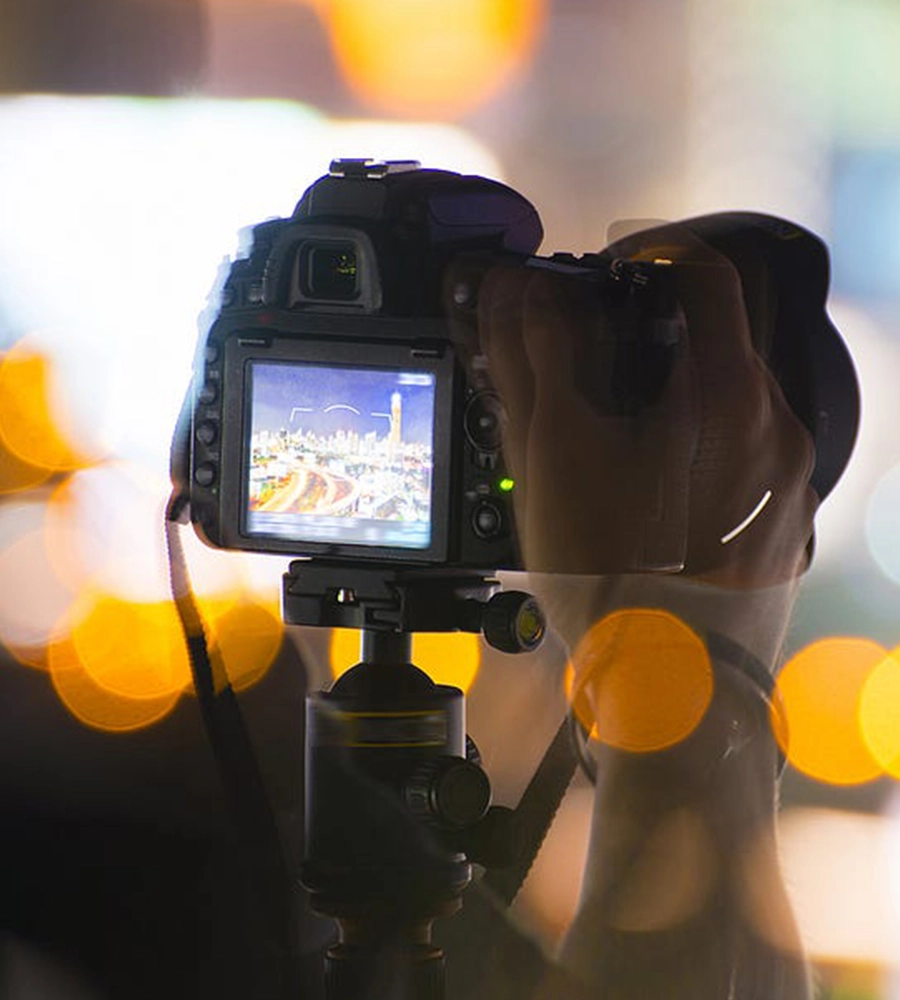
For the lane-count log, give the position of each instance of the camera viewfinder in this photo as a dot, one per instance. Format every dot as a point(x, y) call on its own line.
point(330, 271)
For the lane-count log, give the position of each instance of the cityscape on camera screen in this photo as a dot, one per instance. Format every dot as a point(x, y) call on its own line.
point(340, 455)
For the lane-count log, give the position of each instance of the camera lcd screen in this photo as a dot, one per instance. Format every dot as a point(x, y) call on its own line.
point(340, 455)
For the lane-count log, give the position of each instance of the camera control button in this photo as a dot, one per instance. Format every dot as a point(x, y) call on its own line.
point(209, 393)
point(205, 474)
point(207, 432)
point(487, 520)
point(483, 421)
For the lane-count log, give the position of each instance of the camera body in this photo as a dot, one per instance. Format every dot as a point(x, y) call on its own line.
point(332, 414)
point(336, 412)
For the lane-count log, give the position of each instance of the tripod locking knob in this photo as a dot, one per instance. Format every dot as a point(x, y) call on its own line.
point(513, 622)
point(449, 791)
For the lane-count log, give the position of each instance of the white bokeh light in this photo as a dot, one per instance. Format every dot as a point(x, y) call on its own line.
point(841, 874)
point(876, 358)
point(117, 213)
point(883, 524)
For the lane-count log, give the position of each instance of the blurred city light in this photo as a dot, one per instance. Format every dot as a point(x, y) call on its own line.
point(840, 870)
point(248, 636)
point(117, 213)
point(876, 357)
point(879, 711)
point(34, 600)
point(447, 657)
point(96, 706)
point(33, 419)
point(432, 58)
point(866, 193)
point(643, 680)
point(17, 476)
point(755, 140)
point(134, 650)
point(820, 689)
point(121, 665)
point(882, 524)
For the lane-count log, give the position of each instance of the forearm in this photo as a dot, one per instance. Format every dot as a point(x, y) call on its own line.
point(682, 895)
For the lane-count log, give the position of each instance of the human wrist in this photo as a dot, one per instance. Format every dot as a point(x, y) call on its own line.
point(756, 619)
point(654, 691)
point(729, 762)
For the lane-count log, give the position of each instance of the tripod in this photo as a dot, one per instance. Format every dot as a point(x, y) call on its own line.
point(397, 805)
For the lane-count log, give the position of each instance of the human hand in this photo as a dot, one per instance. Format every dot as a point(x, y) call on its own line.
point(673, 485)
point(602, 499)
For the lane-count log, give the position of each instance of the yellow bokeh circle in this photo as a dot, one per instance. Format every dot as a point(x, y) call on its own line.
point(94, 705)
point(132, 649)
point(31, 415)
point(431, 58)
point(879, 713)
point(820, 690)
point(249, 636)
point(447, 657)
point(642, 680)
point(124, 664)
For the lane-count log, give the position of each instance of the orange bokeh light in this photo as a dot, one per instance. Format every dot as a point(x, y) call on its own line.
point(820, 689)
point(447, 657)
point(17, 476)
point(431, 58)
point(125, 664)
point(96, 706)
point(31, 415)
point(642, 680)
point(248, 636)
point(879, 712)
point(132, 650)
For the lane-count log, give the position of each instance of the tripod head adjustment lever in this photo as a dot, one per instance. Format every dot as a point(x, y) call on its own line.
point(451, 791)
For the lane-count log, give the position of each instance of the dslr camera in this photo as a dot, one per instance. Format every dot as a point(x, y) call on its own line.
point(332, 413)
point(336, 413)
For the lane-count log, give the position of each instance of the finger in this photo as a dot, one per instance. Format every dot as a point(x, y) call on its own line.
point(709, 289)
point(560, 316)
point(620, 229)
point(461, 281)
point(500, 318)
point(674, 238)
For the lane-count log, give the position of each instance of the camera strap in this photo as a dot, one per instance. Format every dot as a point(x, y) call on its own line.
point(234, 755)
point(535, 812)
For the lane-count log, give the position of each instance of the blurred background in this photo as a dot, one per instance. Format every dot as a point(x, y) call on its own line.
point(138, 137)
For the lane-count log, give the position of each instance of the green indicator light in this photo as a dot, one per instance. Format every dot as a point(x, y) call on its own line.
point(506, 485)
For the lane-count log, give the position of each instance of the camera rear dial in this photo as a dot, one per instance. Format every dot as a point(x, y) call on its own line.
point(484, 421)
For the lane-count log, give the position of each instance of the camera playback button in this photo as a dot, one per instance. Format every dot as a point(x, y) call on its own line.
point(207, 431)
point(205, 474)
point(487, 520)
point(483, 421)
point(209, 393)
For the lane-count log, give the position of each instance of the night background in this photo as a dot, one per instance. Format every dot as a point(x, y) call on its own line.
point(137, 139)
